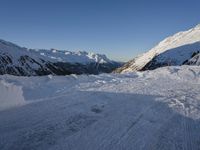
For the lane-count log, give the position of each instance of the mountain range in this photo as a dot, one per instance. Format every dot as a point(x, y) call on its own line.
point(180, 49)
point(20, 61)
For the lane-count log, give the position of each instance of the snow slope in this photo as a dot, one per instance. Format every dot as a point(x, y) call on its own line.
point(17, 60)
point(174, 50)
point(194, 60)
point(156, 110)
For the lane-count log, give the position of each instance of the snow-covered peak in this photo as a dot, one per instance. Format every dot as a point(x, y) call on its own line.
point(82, 57)
point(176, 48)
point(17, 60)
point(179, 39)
point(53, 55)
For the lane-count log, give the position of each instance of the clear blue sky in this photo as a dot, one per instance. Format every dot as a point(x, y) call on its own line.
point(119, 28)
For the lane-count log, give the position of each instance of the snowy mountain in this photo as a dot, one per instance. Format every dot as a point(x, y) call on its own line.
point(17, 60)
point(174, 50)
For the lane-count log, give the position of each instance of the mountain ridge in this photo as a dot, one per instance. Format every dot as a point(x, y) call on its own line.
point(188, 40)
point(16, 60)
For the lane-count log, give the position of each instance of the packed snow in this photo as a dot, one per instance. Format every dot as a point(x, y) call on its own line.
point(143, 110)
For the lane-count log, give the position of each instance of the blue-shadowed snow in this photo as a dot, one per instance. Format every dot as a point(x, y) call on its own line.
point(156, 110)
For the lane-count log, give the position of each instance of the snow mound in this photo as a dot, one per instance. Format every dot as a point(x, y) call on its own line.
point(10, 95)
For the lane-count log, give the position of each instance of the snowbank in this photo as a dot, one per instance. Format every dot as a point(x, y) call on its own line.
point(10, 95)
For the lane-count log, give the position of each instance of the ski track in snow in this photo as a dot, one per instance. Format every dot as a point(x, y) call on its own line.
point(151, 110)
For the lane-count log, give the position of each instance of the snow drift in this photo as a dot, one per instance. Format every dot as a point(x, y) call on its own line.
point(10, 95)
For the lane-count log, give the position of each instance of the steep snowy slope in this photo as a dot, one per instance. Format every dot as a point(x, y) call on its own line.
point(150, 110)
point(16, 60)
point(174, 50)
point(195, 60)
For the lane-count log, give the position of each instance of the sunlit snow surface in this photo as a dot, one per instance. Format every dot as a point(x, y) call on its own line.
point(143, 110)
point(173, 50)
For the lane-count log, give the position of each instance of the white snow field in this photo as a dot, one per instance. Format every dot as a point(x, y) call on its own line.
point(152, 110)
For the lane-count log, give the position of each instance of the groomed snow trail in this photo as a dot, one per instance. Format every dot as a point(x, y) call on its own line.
point(156, 110)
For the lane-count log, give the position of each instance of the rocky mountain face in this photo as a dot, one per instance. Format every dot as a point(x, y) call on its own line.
point(16, 60)
point(172, 51)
